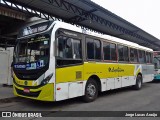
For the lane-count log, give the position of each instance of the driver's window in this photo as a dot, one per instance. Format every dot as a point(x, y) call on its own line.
point(69, 48)
point(64, 50)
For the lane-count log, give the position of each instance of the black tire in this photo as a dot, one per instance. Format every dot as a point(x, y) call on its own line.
point(138, 84)
point(91, 91)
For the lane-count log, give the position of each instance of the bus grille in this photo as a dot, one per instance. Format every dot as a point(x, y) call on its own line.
point(30, 94)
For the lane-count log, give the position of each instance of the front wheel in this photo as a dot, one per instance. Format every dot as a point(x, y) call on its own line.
point(91, 91)
point(138, 84)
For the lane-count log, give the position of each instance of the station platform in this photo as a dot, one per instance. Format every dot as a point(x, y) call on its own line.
point(6, 92)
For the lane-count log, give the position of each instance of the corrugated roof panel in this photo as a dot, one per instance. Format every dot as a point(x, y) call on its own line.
point(90, 17)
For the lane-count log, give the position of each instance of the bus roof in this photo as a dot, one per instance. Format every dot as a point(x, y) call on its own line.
point(74, 28)
point(108, 37)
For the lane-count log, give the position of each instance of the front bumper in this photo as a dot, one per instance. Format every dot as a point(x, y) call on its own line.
point(44, 93)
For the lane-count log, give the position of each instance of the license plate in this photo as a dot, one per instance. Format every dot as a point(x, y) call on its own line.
point(26, 90)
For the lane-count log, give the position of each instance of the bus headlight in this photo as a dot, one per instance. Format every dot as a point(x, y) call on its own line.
point(47, 79)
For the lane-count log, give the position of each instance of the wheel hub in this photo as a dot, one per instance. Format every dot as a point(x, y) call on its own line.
point(91, 90)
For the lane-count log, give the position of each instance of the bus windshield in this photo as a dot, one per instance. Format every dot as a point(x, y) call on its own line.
point(34, 49)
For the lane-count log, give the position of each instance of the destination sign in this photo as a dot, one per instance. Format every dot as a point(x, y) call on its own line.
point(31, 66)
point(31, 30)
point(28, 30)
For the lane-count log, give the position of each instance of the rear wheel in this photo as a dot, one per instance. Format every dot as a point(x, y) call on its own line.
point(91, 91)
point(138, 84)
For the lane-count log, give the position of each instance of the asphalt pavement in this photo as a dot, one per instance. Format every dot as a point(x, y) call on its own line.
point(125, 99)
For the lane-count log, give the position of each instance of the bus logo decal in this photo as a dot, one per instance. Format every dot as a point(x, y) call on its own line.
point(115, 69)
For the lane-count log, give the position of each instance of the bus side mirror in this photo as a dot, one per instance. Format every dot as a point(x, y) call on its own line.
point(69, 43)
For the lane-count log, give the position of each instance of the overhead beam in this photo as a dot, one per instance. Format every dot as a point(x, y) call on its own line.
point(71, 8)
point(80, 15)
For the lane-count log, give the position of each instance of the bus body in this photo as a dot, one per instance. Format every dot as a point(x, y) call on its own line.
point(157, 65)
point(55, 61)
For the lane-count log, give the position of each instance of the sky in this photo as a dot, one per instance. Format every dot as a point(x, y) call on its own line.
point(145, 14)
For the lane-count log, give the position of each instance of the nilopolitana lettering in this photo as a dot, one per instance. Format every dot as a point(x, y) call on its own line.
point(115, 69)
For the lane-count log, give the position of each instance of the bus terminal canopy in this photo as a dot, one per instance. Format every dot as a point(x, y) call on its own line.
point(87, 14)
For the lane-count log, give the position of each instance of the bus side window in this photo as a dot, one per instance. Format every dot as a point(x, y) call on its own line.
point(141, 56)
point(97, 45)
point(109, 51)
point(93, 49)
point(90, 48)
point(133, 55)
point(120, 53)
point(113, 52)
point(123, 53)
point(148, 57)
point(64, 49)
point(106, 51)
point(69, 51)
point(77, 50)
point(126, 56)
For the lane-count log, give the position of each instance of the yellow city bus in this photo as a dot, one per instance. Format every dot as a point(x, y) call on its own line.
point(55, 61)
